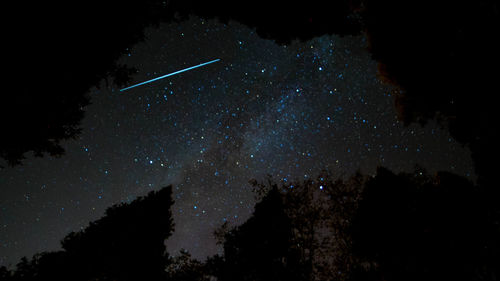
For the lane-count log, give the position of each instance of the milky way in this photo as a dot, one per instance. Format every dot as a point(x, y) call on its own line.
point(287, 111)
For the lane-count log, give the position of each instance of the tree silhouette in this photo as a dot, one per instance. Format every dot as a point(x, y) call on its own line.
point(382, 227)
point(58, 53)
point(185, 268)
point(128, 243)
point(320, 211)
point(416, 227)
point(5, 274)
point(260, 248)
point(441, 55)
point(299, 231)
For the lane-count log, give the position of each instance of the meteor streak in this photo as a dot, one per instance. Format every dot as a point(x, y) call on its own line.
point(170, 74)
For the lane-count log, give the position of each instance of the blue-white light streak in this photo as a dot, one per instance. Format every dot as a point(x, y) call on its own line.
point(170, 74)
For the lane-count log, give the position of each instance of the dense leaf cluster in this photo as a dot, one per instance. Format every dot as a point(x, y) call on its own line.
point(381, 227)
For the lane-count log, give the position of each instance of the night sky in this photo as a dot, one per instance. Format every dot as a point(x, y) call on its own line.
point(288, 111)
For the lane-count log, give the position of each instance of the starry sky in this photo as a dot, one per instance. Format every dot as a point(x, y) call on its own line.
point(285, 110)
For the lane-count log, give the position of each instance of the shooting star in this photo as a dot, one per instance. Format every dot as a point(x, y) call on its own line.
point(170, 74)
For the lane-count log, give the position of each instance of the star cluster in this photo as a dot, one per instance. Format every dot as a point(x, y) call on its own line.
point(287, 111)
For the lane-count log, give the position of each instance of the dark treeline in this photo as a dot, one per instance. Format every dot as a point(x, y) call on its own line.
point(382, 227)
point(126, 244)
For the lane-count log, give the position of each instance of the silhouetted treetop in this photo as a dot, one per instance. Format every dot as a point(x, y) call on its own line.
point(129, 241)
point(297, 232)
point(416, 227)
point(184, 268)
point(442, 55)
point(127, 244)
point(57, 53)
point(407, 226)
point(387, 226)
point(260, 248)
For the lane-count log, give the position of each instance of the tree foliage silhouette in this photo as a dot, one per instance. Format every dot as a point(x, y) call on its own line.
point(382, 227)
point(58, 53)
point(5, 274)
point(416, 227)
point(185, 268)
point(320, 211)
point(260, 248)
point(297, 232)
point(128, 243)
point(441, 55)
